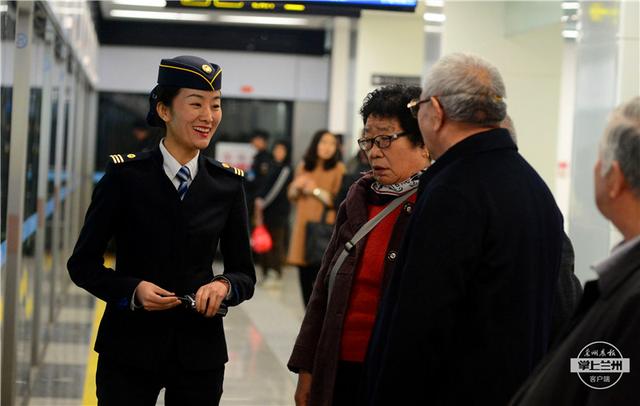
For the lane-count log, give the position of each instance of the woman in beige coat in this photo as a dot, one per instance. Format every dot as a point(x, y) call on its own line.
point(317, 180)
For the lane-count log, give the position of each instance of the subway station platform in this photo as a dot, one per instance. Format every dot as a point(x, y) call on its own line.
point(260, 335)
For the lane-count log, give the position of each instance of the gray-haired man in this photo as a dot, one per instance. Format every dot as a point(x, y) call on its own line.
point(469, 305)
point(610, 308)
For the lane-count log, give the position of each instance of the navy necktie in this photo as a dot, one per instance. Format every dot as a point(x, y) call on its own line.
point(183, 176)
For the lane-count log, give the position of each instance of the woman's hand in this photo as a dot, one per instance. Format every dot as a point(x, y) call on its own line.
point(303, 390)
point(300, 181)
point(297, 186)
point(309, 186)
point(209, 297)
point(152, 297)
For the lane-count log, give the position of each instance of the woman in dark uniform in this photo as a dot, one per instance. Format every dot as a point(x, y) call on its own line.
point(167, 209)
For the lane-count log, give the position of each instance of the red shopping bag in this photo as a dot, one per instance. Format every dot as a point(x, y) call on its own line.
point(261, 240)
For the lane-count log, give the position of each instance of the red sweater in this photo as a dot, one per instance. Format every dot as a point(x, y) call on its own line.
point(366, 290)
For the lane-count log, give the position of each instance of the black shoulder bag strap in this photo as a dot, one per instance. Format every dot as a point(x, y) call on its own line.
point(364, 230)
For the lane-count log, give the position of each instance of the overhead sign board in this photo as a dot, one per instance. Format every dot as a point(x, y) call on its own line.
point(321, 7)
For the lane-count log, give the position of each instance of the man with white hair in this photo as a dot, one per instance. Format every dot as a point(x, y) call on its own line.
point(469, 305)
point(610, 308)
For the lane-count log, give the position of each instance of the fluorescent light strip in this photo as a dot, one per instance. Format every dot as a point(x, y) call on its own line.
point(158, 15)
point(146, 3)
point(262, 20)
point(570, 5)
point(434, 3)
point(434, 18)
point(570, 33)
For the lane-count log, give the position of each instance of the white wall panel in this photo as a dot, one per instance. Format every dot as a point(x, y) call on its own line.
point(530, 63)
point(312, 80)
point(387, 44)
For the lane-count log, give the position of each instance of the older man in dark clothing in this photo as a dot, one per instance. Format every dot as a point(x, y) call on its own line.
point(470, 302)
point(610, 309)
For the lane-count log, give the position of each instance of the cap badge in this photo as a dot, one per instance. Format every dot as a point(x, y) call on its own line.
point(207, 68)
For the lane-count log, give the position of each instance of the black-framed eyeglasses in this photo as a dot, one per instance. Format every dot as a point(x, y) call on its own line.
point(382, 141)
point(414, 105)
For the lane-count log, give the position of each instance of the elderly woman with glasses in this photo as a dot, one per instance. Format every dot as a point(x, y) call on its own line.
point(331, 346)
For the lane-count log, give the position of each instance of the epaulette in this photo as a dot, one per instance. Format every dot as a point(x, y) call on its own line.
point(226, 167)
point(122, 158)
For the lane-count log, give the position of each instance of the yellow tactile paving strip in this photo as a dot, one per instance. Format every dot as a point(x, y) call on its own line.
point(89, 392)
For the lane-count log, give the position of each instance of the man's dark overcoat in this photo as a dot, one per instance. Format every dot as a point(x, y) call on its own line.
point(468, 313)
point(171, 243)
point(610, 312)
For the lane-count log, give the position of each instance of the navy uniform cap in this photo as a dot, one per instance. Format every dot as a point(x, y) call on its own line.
point(191, 72)
point(184, 71)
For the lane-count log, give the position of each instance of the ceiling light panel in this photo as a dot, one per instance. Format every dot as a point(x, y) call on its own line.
point(141, 3)
point(157, 15)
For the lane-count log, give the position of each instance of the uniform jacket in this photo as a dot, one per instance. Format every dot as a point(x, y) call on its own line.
point(309, 208)
point(170, 242)
point(317, 347)
point(609, 311)
point(469, 304)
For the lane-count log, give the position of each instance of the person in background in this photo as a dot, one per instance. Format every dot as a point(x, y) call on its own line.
point(359, 163)
point(316, 181)
point(144, 139)
point(356, 167)
point(167, 210)
point(272, 206)
point(610, 307)
point(469, 305)
point(330, 349)
point(260, 166)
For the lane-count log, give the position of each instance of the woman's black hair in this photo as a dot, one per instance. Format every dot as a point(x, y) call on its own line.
point(164, 94)
point(285, 144)
point(311, 156)
point(391, 102)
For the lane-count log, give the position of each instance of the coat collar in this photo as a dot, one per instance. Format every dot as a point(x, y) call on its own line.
point(619, 267)
point(494, 139)
point(358, 199)
point(355, 204)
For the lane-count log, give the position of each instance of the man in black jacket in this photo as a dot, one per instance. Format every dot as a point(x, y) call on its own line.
point(260, 168)
point(610, 310)
point(469, 306)
point(167, 209)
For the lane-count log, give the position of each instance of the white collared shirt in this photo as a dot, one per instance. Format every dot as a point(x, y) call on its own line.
point(172, 166)
point(618, 252)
